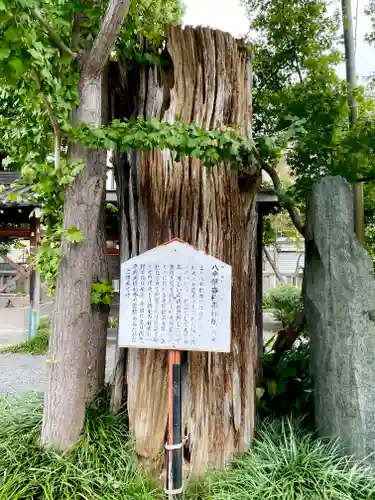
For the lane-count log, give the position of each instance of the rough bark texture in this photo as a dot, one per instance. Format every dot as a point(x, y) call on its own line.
point(97, 335)
point(118, 396)
point(66, 391)
point(206, 81)
point(109, 31)
point(339, 303)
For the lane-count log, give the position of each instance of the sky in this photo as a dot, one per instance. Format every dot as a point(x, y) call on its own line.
point(229, 15)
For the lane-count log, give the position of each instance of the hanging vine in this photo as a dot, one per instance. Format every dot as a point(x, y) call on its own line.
point(38, 89)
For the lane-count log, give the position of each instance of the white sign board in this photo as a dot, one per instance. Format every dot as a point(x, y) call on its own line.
point(175, 297)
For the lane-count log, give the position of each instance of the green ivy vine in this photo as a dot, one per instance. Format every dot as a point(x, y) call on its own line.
point(211, 147)
point(38, 89)
point(102, 292)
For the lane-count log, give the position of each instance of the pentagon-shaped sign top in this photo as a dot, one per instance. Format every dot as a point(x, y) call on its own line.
point(175, 297)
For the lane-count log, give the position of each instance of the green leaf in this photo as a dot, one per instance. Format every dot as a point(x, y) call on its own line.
point(4, 52)
point(74, 235)
point(12, 197)
point(36, 54)
point(102, 293)
point(112, 208)
point(17, 65)
point(259, 392)
point(272, 387)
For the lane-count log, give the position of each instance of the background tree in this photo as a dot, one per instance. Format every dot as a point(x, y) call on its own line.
point(62, 76)
point(295, 77)
point(297, 48)
point(295, 57)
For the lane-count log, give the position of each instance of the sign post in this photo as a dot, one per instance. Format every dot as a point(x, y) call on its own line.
point(174, 443)
point(177, 298)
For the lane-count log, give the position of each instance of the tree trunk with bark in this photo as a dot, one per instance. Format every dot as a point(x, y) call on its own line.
point(97, 335)
point(66, 393)
point(67, 379)
point(207, 80)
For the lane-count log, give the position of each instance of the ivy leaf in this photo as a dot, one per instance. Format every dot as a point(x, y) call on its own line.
point(272, 387)
point(12, 197)
point(112, 208)
point(259, 392)
point(17, 65)
point(102, 292)
point(4, 52)
point(74, 235)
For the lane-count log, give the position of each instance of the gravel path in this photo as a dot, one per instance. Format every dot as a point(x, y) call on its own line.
point(22, 373)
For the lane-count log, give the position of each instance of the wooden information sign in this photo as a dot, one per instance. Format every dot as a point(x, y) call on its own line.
point(175, 297)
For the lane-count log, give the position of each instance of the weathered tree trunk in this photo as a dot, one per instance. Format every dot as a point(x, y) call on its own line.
point(118, 396)
point(206, 81)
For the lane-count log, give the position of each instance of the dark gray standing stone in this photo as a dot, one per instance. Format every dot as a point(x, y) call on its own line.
point(340, 305)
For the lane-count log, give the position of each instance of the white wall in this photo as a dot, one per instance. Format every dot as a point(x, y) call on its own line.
point(286, 257)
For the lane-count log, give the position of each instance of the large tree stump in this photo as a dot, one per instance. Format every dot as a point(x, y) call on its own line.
point(207, 80)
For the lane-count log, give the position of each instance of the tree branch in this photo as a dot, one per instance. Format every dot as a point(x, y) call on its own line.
point(55, 125)
point(273, 265)
point(366, 179)
point(52, 34)
point(109, 31)
point(288, 335)
point(293, 212)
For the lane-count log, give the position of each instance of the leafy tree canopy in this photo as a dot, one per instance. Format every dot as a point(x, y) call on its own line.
point(296, 51)
point(39, 70)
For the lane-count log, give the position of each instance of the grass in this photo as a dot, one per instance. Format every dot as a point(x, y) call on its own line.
point(289, 465)
point(284, 464)
point(102, 466)
point(36, 346)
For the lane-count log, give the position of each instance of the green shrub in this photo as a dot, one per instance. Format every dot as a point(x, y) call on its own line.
point(101, 466)
point(287, 387)
point(36, 346)
point(283, 464)
point(288, 465)
point(284, 301)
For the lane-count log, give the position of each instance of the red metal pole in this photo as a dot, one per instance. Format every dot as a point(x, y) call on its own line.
point(170, 422)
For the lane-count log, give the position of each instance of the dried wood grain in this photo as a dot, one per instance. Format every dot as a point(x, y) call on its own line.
point(207, 81)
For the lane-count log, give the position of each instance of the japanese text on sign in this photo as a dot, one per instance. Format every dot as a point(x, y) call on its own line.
point(175, 297)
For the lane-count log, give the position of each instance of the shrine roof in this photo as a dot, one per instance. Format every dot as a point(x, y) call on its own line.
point(7, 178)
point(16, 188)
